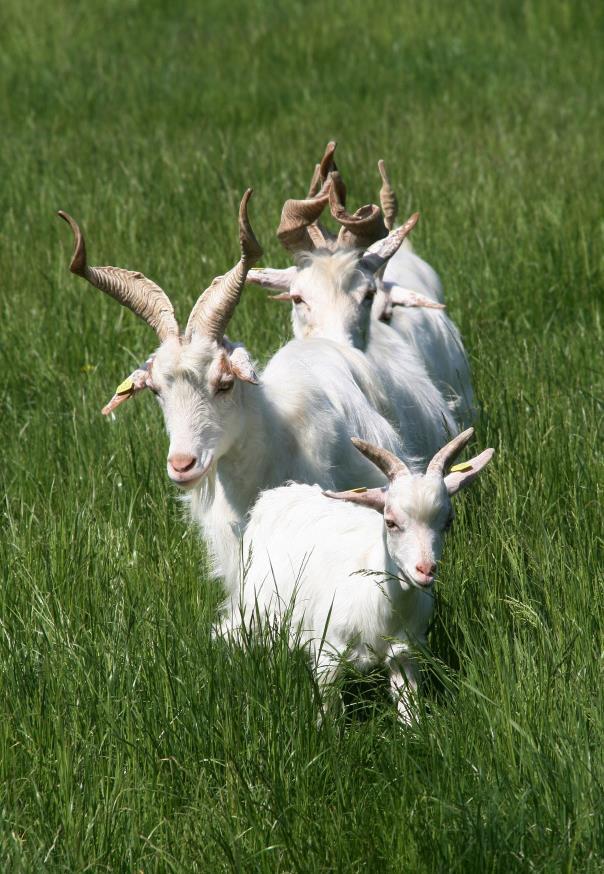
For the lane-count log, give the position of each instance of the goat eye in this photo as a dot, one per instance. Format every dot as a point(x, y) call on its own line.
point(225, 386)
point(296, 298)
point(390, 524)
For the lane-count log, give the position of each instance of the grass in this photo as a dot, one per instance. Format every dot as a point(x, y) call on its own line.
point(129, 740)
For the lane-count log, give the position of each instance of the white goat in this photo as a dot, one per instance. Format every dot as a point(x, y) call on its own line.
point(352, 583)
point(332, 294)
point(429, 331)
point(233, 433)
point(402, 288)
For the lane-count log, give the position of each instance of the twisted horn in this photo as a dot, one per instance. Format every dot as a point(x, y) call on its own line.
point(388, 463)
point(359, 230)
point(379, 253)
point(297, 216)
point(388, 200)
point(215, 306)
point(323, 169)
point(449, 453)
point(132, 290)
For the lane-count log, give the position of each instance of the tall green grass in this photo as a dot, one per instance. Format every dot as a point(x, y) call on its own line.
point(129, 739)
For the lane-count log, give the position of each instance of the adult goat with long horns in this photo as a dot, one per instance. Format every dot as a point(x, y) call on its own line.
point(332, 290)
point(233, 432)
point(345, 287)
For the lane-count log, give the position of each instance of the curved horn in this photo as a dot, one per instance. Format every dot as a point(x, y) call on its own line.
point(449, 453)
point(388, 200)
point(388, 463)
point(296, 216)
point(359, 230)
point(214, 308)
point(379, 253)
point(323, 169)
point(131, 289)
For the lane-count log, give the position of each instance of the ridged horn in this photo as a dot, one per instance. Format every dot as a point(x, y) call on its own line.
point(388, 200)
point(323, 169)
point(297, 216)
point(214, 308)
point(449, 453)
point(377, 255)
point(359, 230)
point(388, 463)
point(133, 290)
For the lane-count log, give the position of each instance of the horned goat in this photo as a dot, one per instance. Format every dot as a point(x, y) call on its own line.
point(352, 584)
point(233, 432)
point(406, 291)
point(429, 331)
point(332, 292)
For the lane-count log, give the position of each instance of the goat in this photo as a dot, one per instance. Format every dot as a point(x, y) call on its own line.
point(401, 281)
point(233, 432)
point(332, 293)
point(429, 331)
point(352, 584)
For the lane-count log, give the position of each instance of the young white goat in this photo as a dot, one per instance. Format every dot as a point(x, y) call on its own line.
point(232, 432)
point(353, 583)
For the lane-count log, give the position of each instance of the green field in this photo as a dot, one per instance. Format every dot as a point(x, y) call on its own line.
point(129, 740)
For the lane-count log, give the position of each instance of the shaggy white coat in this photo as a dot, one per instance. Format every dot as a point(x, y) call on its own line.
point(431, 333)
point(295, 424)
point(332, 299)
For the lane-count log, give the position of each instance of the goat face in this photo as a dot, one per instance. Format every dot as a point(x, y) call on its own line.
point(332, 295)
point(416, 508)
point(198, 386)
point(417, 514)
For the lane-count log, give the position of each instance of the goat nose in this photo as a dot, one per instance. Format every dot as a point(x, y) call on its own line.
point(427, 568)
point(181, 462)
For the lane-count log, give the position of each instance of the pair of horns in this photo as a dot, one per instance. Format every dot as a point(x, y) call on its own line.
point(300, 228)
point(214, 308)
point(374, 258)
point(392, 467)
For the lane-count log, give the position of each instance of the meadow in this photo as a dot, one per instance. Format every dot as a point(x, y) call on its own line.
point(129, 739)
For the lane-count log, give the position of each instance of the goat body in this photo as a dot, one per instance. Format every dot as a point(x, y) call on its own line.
point(430, 332)
point(326, 567)
point(352, 582)
point(332, 294)
point(295, 424)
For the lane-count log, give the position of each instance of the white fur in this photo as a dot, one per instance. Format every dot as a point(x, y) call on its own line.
point(431, 333)
point(350, 586)
point(335, 300)
point(295, 424)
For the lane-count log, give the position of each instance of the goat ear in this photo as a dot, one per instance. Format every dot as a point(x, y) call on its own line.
point(242, 366)
point(405, 297)
point(469, 470)
point(373, 498)
point(133, 384)
point(272, 279)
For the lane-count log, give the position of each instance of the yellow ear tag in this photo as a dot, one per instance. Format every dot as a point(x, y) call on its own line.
point(359, 491)
point(460, 468)
point(124, 387)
